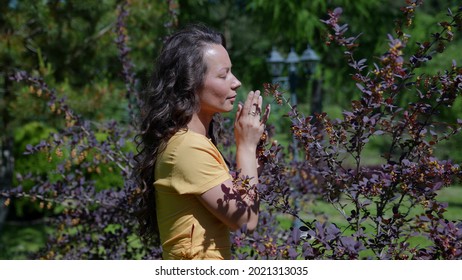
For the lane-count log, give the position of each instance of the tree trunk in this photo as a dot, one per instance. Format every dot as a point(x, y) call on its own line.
point(6, 173)
point(316, 97)
point(6, 148)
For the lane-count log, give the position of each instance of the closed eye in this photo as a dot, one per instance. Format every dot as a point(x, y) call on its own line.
point(224, 73)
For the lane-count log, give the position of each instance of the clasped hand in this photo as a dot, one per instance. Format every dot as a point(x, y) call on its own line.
point(249, 124)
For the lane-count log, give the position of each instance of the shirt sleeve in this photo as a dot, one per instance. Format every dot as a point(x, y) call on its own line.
point(198, 168)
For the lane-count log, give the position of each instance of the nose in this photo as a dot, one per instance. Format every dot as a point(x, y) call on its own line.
point(236, 83)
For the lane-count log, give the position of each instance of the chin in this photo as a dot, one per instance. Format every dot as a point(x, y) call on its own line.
point(227, 109)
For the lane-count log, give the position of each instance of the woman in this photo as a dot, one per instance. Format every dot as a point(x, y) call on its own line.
point(189, 196)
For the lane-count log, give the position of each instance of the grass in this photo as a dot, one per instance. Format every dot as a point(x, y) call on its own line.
point(326, 212)
point(451, 195)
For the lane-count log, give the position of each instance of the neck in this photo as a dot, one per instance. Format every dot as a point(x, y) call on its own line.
point(200, 123)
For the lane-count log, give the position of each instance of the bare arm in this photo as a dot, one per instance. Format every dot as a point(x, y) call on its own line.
point(230, 203)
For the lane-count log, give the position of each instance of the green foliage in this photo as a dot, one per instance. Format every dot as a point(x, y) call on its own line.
point(19, 241)
point(146, 26)
point(31, 134)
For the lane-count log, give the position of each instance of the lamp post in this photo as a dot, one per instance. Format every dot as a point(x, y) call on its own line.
point(308, 62)
point(277, 63)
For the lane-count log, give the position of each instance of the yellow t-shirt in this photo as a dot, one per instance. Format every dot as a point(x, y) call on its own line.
point(190, 166)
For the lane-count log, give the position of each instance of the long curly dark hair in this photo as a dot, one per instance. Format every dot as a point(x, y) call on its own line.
point(169, 102)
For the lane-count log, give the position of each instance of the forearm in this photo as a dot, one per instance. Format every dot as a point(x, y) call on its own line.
point(248, 169)
point(247, 164)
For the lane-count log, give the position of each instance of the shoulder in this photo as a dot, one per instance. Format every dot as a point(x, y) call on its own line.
point(194, 163)
point(187, 140)
point(188, 146)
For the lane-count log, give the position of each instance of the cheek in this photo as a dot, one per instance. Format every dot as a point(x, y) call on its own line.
point(218, 90)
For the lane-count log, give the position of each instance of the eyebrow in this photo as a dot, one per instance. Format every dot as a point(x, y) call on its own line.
point(225, 68)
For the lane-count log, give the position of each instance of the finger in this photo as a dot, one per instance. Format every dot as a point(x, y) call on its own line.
point(257, 94)
point(255, 104)
point(238, 112)
point(257, 99)
point(248, 103)
point(265, 117)
point(259, 105)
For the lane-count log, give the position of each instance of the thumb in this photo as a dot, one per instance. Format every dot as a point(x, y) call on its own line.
point(238, 112)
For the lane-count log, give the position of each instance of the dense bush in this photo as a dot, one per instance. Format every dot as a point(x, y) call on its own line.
point(390, 210)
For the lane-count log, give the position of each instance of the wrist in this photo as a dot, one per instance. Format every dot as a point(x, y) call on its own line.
point(247, 149)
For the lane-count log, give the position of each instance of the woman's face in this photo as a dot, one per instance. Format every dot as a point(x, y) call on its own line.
point(218, 93)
